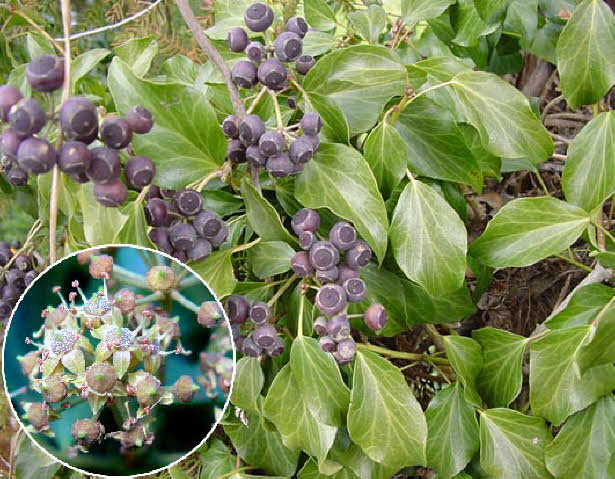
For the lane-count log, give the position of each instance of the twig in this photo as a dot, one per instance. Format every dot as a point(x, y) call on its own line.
point(550, 105)
point(404, 355)
point(282, 289)
point(185, 302)
point(256, 101)
point(571, 115)
point(14, 442)
point(276, 107)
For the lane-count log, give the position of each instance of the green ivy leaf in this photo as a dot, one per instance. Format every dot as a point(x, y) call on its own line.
point(228, 14)
point(270, 258)
point(84, 63)
point(468, 25)
point(507, 127)
point(317, 43)
point(527, 230)
point(597, 348)
point(101, 225)
point(310, 471)
point(339, 178)
point(31, 462)
point(218, 460)
point(393, 429)
point(585, 444)
point(319, 15)
point(37, 44)
point(217, 272)
point(589, 175)
point(135, 228)
point(353, 460)
point(138, 53)
point(186, 142)
point(557, 389)
point(369, 23)
point(335, 125)
point(583, 307)
point(292, 316)
point(487, 9)
point(291, 414)
point(501, 378)
point(465, 355)
point(453, 431)
point(413, 11)
point(586, 53)
point(428, 239)
point(247, 384)
point(385, 152)
point(512, 445)
point(360, 79)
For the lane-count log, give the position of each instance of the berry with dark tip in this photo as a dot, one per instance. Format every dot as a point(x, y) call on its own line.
point(256, 52)
point(139, 120)
point(36, 155)
point(301, 265)
point(189, 202)
point(250, 348)
point(140, 171)
point(272, 73)
point(182, 236)
point(105, 165)
point(324, 255)
point(244, 74)
point(237, 308)
point(116, 133)
point(251, 128)
point(236, 151)
point(297, 25)
point(5, 310)
point(304, 64)
point(153, 192)
point(258, 17)
point(160, 237)
point(359, 255)
point(259, 312)
point(167, 193)
point(27, 117)
point(207, 224)
point(9, 141)
point(280, 166)
point(343, 235)
point(9, 96)
point(355, 290)
point(155, 212)
point(320, 325)
point(292, 102)
point(338, 327)
point(327, 344)
point(221, 236)
point(200, 251)
point(255, 157)
point(180, 255)
point(345, 273)
point(264, 335)
point(346, 351)
point(276, 349)
point(111, 194)
point(306, 240)
point(79, 119)
point(314, 139)
point(331, 299)
point(5, 256)
point(301, 150)
point(17, 176)
point(287, 46)
point(74, 158)
point(230, 126)
point(305, 219)
point(375, 317)
point(237, 39)
point(79, 177)
point(45, 73)
point(271, 143)
point(30, 276)
point(310, 123)
point(327, 275)
point(10, 293)
point(16, 278)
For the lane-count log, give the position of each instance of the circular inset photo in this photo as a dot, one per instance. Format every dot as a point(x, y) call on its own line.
point(118, 361)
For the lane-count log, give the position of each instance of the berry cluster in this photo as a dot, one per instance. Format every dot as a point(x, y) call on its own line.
point(335, 263)
point(17, 270)
point(125, 369)
point(25, 148)
point(281, 151)
point(180, 225)
point(262, 337)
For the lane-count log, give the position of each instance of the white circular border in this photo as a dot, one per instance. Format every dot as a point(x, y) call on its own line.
point(95, 248)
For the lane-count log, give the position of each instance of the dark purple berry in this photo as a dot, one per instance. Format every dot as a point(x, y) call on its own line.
point(301, 150)
point(310, 123)
point(10, 141)
point(140, 171)
point(355, 290)
point(139, 120)
point(343, 235)
point(297, 168)
point(153, 192)
point(346, 351)
point(264, 335)
point(80, 177)
point(259, 312)
point(237, 39)
point(306, 240)
point(244, 74)
point(331, 299)
point(359, 255)
point(251, 128)
point(301, 265)
point(287, 46)
point(10, 293)
point(327, 344)
point(9, 96)
point(276, 349)
point(297, 25)
point(345, 272)
point(30, 276)
point(160, 237)
point(16, 278)
point(230, 126)
point(27, 117)
point(79, 120)
point(327, 275)
point(182, 236)
point(280, 166)
point(235, 151)
point(111, 194)
point(189, 202)
point(221, 237)
point(271, 143)
point(155, 212)
point(237, 308)
point(304, 64)
point(249, 348)
point(17, 176)
point(167, 193)
point(255, 157)
point(36, 155)
point(292, 102)
point(375, 317)
point(256, 52)
point(320, 325)
point(272, 73)
point(23, 263)
point(180, 255)
point(338, 327)
point(200, 251)
point(45, 73)
point(305, 220)
point(324, 255)
point(258, 17)
point(74, 158)
point(105, 165)
point(116, 133)
point(207, 224)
